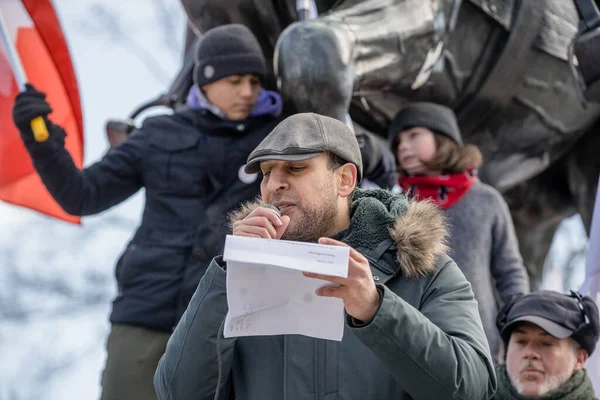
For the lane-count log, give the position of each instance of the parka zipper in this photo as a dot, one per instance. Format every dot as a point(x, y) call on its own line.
point(377, 266)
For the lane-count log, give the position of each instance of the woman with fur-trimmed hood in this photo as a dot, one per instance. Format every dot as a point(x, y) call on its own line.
point(434, 164)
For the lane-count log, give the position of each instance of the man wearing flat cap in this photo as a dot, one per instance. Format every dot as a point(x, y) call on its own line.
point(412, 327)
point(549, 337)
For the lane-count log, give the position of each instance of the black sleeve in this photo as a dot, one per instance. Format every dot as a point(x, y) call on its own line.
point(379, 163)
point(117, 176)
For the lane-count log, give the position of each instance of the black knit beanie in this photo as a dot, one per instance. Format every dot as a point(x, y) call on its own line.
point(435, 117)
point(228, 50)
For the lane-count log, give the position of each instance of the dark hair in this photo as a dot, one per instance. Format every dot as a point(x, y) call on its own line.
point(334, 163)
point(451, 158)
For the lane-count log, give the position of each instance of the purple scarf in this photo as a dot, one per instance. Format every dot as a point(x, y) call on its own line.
point(268, 103)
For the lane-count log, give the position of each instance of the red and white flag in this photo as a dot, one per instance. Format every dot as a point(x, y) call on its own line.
point(35, 31)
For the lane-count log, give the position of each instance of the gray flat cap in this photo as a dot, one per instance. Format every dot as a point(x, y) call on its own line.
point(304, 136)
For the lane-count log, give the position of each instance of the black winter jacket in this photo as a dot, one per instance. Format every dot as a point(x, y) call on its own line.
point(191, 165)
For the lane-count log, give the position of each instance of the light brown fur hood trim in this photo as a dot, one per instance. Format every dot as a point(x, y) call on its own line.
point(243, 210)
point(420, 235)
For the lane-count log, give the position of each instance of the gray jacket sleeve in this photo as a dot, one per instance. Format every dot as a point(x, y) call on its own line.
point(190, 368)
point(507, 264)
point(438, 351)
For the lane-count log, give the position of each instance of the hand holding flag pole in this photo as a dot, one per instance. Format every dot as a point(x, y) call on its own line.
point(38, 126)
point(32, 28)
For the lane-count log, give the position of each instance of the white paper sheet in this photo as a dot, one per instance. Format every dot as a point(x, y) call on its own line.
point(268, 295)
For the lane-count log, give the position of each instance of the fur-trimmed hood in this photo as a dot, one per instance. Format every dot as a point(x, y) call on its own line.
point(417, 227)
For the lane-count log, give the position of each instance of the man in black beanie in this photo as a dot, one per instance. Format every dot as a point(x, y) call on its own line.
point(191, 164)
point(549, 337)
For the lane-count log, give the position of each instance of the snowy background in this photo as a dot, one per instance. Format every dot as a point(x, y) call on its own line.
point(57, 280)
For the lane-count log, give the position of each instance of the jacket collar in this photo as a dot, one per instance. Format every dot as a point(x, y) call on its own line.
point(207, 121)
point(578, 387)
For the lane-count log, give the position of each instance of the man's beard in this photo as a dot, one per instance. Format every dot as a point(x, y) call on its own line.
point(550, 382)
point(314, 223)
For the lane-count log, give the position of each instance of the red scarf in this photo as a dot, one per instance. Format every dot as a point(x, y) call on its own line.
point(444, 190)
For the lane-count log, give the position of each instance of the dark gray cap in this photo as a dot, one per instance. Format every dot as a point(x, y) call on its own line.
point(230, 49)
point(304, 136)
point(560, 315)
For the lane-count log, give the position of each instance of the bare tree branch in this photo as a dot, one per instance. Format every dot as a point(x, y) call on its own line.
point(104, 21)
point(171, 34)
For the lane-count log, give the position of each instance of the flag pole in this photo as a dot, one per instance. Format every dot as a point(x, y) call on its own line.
point(38, 126)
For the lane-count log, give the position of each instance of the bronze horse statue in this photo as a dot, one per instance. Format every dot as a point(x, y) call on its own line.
point(505, 66)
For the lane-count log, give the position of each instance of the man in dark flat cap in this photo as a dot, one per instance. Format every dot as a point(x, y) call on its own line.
point(549, 337)
point(412, 328)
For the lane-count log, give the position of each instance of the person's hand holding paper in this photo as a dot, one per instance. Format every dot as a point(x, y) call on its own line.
point(267, 294)
point(356, 289)
point(358, 292)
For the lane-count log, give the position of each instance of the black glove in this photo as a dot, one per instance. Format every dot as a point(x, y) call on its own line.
point(29, 104)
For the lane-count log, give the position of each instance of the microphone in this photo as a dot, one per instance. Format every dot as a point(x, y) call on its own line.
point(271, 207)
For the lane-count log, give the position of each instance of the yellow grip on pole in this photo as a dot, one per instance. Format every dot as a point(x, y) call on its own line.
point(40, 131)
